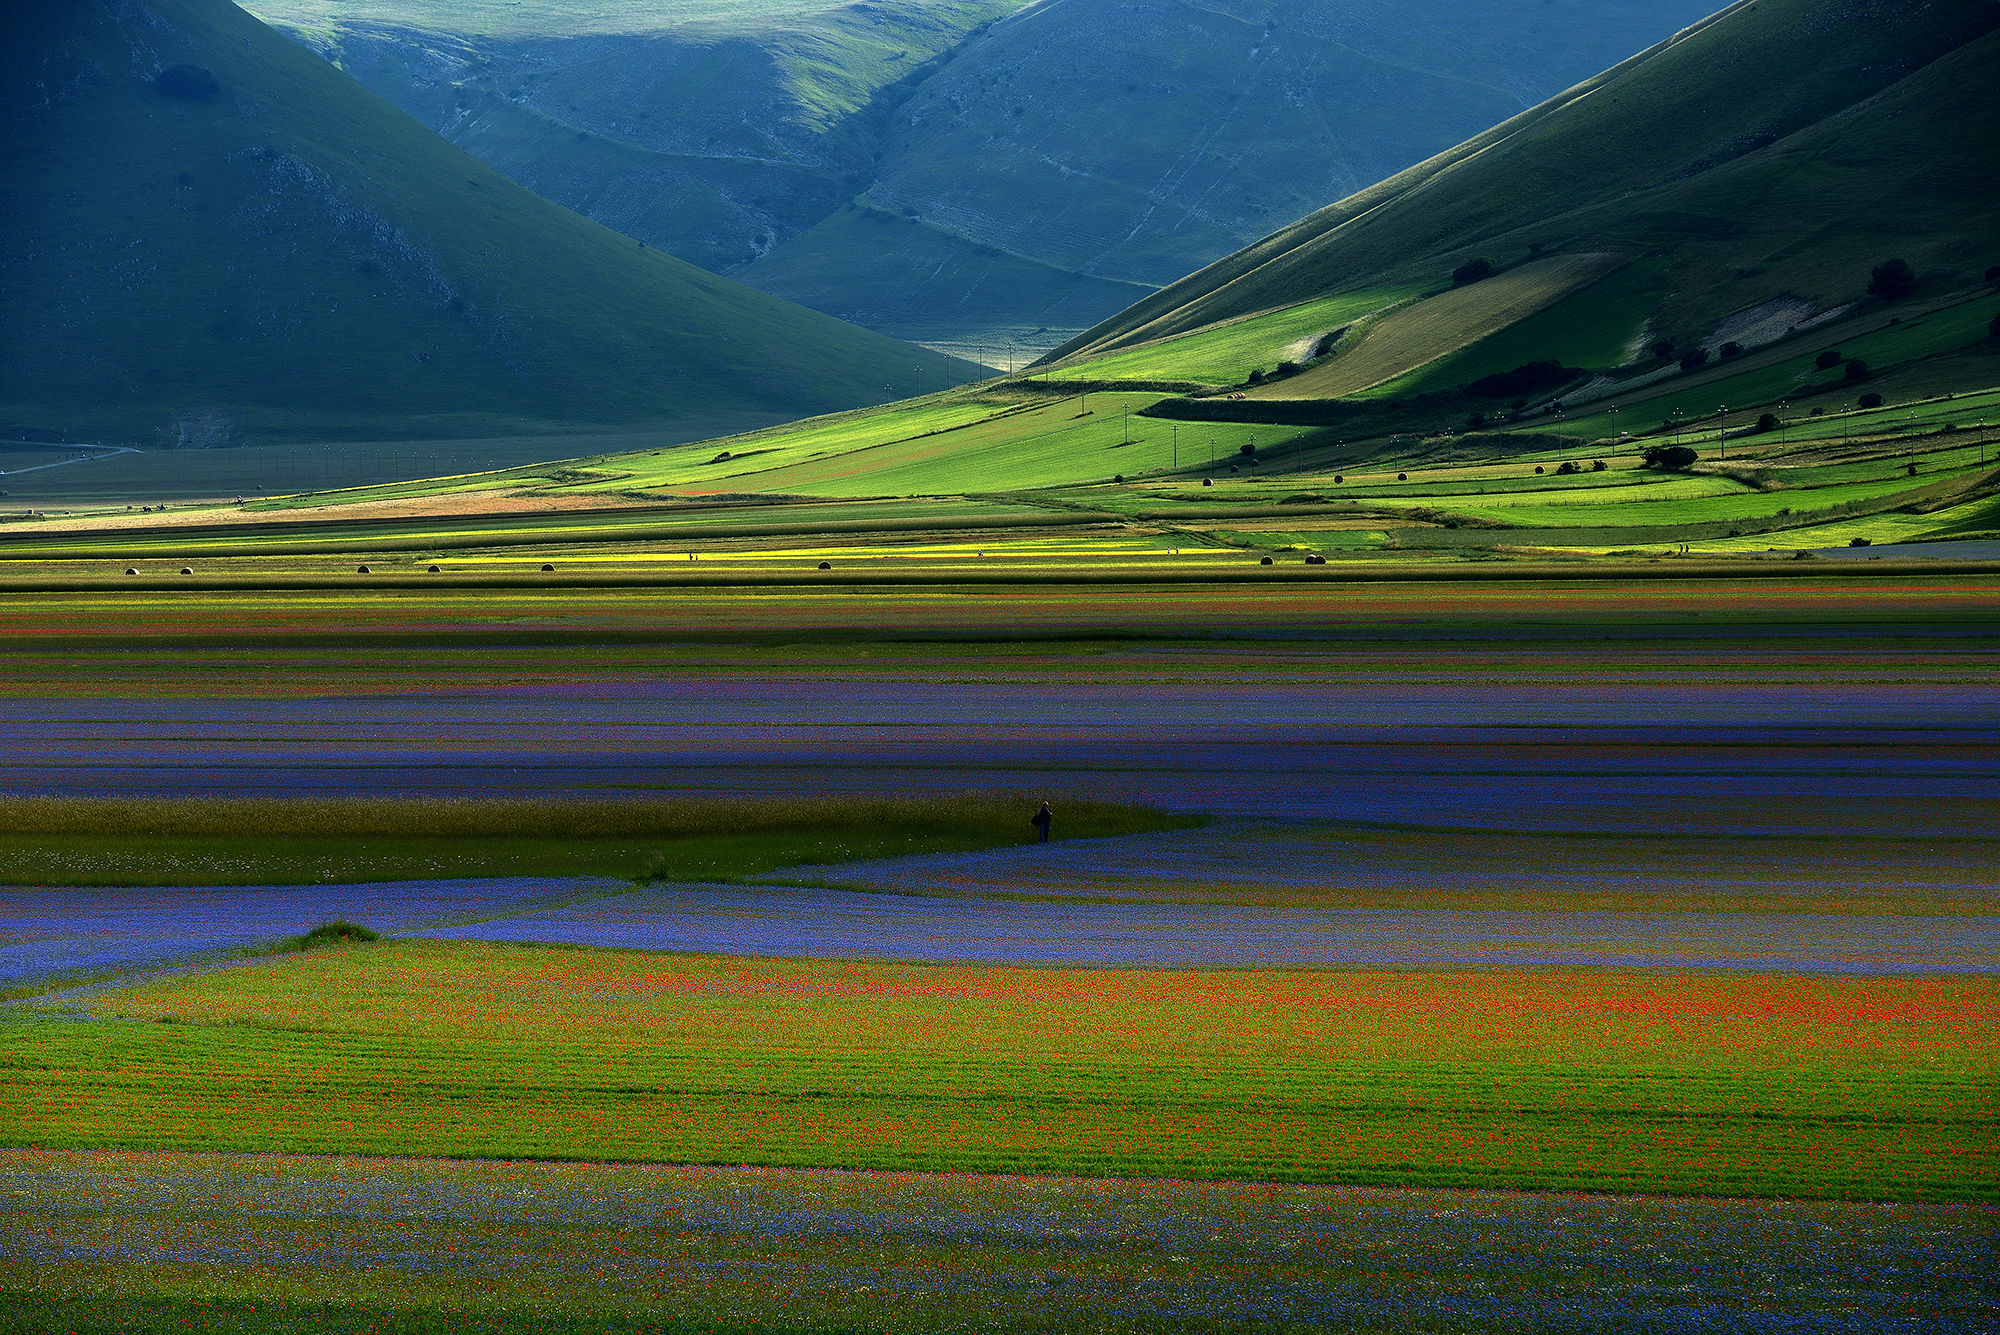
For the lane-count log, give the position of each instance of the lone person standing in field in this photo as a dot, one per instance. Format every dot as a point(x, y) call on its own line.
point(1042, 820)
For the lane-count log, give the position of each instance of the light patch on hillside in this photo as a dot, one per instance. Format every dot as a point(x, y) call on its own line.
point(1418, 335)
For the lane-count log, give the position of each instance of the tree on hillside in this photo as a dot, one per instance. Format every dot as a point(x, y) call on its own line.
point(1827, 360)
point(1694, 358)
point(1472, 271)
point(1732, 349)
point(1892, 279)
point(1668, 456)
point(1857, 369)
point(1767, 422)
point(1871, 400)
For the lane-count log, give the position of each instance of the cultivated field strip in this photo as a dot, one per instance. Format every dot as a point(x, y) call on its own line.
point(90, 1236)
point(1599, 1079)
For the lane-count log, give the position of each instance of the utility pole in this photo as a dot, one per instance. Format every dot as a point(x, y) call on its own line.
point(920, 380)
point(1177, 445)
point(1722, 436)
point(1128, 422)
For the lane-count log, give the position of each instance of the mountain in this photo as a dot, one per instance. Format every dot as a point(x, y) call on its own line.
point(210, 234)
point(965, 172)
point(1765, 158)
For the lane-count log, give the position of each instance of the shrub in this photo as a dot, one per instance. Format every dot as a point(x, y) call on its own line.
point(1694, 358)
point(1857, 369)
point(1668, 456)
point(1246, 448)
point(1827, 360)
point(1286, 368)
point(1476, 421)
point(1892, 279)
point(1871, 400)
point(1859, 542)
point(1254, 378)
point(1472, 271)
point(1598, 465)
point(188, 81)
point(1663, 349)
point(1767, 422)
point(1567, 467)
point(332, 934)
point(1993, 274)
point(1732, 349)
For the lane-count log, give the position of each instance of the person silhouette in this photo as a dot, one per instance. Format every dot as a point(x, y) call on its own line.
point(1042, 820)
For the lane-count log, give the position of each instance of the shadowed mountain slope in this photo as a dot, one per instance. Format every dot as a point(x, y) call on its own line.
point(964, 171)
point(209, 234)
point(1776, 149)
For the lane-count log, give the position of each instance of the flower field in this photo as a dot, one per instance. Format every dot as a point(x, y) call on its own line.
point(1659, 1080)
point(97, 1242)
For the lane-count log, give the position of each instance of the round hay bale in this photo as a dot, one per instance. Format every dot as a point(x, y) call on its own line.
point(1315, 560)
point(1208, 482)
point(363, 570)
point(434, 570)
point(1402, 477)
point(1266, 561)
point(1339, 477)
point(187, 570)
point(826, 565)
point(131, 570)
point(547, 569)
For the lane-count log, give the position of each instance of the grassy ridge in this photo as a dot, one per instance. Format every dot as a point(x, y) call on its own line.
point(1753, 187)
point(220, 841)
point(1731, 1084)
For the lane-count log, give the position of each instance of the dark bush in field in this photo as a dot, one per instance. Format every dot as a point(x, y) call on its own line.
point(1871, 400)
point(189, 81)
point(335, 933)
point(1732, 349)
point(1662, 349)
point(1892, 279)
point(1254, 378)
point(1528, 378)
point(1472, 271)
point(1568, 468)
point(1286, 368)
point(1857, 369)
point(1693, 358)
point(1246, 448)
point(1598, 465)
point(1668, 456)
point(1859, 542)
point(1767, 422)
point(1827, 360)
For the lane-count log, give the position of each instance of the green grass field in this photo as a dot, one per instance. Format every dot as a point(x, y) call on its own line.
point(1415, 336)
point(221, 841)
point(1227, 353)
